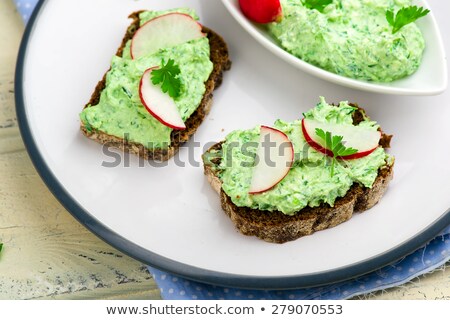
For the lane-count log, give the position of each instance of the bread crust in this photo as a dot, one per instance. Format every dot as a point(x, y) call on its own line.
point(276, 227)
point(219, 56)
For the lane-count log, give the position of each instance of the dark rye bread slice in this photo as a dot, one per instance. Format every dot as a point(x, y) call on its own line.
point(221, 61)
point(279, 228)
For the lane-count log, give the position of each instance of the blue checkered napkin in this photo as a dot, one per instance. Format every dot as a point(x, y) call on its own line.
point(435, 254)
point(25, 8)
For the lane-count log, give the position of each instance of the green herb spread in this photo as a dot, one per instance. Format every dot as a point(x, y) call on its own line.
point(120, 111)
point(351, 38)
point(308, 182)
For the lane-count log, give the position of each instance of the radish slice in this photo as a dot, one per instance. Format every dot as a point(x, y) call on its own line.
point(160, 105)
point(275, 156)
point(362, 139)
point(163, 32)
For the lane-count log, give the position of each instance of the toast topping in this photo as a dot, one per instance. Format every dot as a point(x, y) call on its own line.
point(120, 111)
point(274, 158)
point(164, 31)
point(159, 104)
point(343, 142)
point(308, 182)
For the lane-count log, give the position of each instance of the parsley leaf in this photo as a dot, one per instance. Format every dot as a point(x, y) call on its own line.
point(167, 76)
point(405, 16)
point(335, 145)
point(1, 246)
point(319, 5)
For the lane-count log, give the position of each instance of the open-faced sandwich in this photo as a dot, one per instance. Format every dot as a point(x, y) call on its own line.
point(159, 87)
point(283, 182)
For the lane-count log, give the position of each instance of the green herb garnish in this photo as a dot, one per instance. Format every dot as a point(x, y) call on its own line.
point(1, 247)
point(319, 5)
point(335, 145)
point(167, 75)
point(405, 16)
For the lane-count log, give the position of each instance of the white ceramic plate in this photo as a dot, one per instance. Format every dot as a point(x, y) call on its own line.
point(169, 217)
point(430, 79)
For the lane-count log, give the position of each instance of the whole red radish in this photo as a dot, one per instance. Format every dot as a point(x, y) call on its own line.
point(262, 11)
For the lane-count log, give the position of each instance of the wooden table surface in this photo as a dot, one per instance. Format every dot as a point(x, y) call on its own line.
point(47, 254)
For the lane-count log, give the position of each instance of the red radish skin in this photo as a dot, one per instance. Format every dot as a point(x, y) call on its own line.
point(146, 77)
point(358, 155)
point(262, 11)
point(145, 35)
point(329, 153)
point(314, 144)
point(286, 139)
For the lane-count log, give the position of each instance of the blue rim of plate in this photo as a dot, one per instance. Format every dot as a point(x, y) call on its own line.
point(177, 268)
